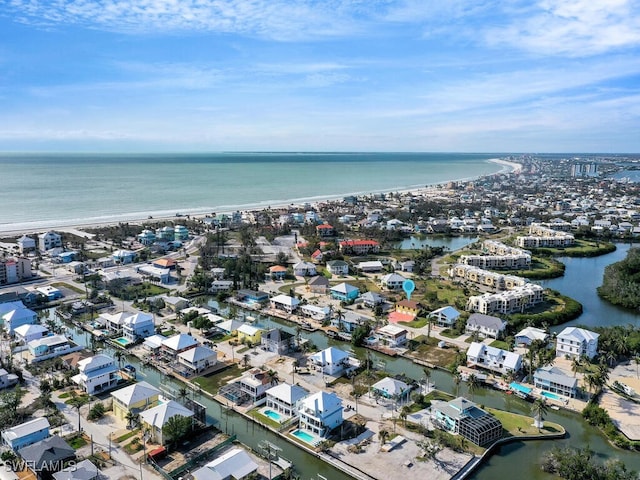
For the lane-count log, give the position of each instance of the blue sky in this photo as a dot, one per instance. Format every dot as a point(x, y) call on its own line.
point(318, 75)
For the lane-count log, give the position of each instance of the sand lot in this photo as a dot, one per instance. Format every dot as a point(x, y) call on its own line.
point(624, 413)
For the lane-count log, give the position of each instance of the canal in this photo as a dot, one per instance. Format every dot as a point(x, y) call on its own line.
point(582, 277)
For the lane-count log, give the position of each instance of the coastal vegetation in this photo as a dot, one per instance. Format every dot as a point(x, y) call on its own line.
point(555, 310)
point(581, 464)
point(582, 248)
point(621, 281)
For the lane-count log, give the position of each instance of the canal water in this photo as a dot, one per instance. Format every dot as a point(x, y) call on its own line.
point(452, 243)
point(582, 277)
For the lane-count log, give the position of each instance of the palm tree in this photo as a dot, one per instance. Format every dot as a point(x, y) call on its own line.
point(183, 393)
point(404, 413)
point(427, 375)
point(539, 410)
point(272, 376)
point(383, 436)
point(357, 392)
point(119, 354)
point(575, 365)
point(473, 383)
point(131, 418)
point(456, 380)
point(77, 402)
point(294, 369)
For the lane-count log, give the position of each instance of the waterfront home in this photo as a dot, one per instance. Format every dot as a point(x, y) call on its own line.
point(7, 379)
point(26, 433)
point(371, 266)
point(371, 299)
point(528, 334)
point(315, 312)
point(359, 247)
point(463, 417)
point(236, 464)
point(277, 340)
point(254, 386)
point(49, 347)
point(318, 284)
point(166, 233)
point(304, 269)
point(138, 326)
point(180, 232)
point(575, 342)
point(155, 418)
point(392, 281)
point(392, 389)
point(486, 326)
point(230, 327)
point(392, 336)
point(344, 292)
point(277, 272)
point(285, 303)
point(153, 343)
point(347, 322)
point(134, 398)
point(445, 317)
point(114, 321)
point(252, 297)
point(47, 456)
point(331, 361)
point(26, 244)
point(249, 334)
point(175, 304)
point(123, 257)
point(50, 292)
point(555, 380)
point(284, 398)
point(97, 374)
point(181, 342)
point(338, 267)
point(492, 358)
point(84, 470)
point(49, 240)
point(18, 317)
point(197, 359)
point(320, 413)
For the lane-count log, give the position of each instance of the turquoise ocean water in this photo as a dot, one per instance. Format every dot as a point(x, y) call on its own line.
point(53, 190)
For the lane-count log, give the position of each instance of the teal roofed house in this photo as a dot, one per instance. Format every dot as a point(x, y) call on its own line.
point(461, 416)
point(166, 233)
point(146, 237)
point(345, 292)
point(180, 232)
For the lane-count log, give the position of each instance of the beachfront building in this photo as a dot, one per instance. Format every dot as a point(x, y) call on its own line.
point(359, 247)
point(392, 281)
point(492, 358)
point(344, 292)
point(155, 418)
point(304, 269)
point(18, 317)
point(166, 233)
point(486, 326)
point(49, 240)
point(134, 399)
point(138, 327)
point(444, 317)
point(285, 303)
point(392, 389)
point(197, 359)
point(528, 334)
point(26, 244)
point(146, 237)
point(284, 398)
point(180, 232)
point(392, 336)
point(97, 374)
point(576, 342)
point(236, 464)
point(26, 433)
point(331, 361)
point(463, 417)
point(555, 380)
point(320, 413)
point(338, 267)
point(514, 301)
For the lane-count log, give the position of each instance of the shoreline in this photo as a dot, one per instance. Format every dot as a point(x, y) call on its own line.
point(76, 226)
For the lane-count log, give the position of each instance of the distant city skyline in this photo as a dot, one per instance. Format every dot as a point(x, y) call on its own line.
point(330, 75)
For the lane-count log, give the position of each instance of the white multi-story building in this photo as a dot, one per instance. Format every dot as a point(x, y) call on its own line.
point(320, 413)
point(493, 280)
point(49, 240)
point(284, 398)
point(97, 374)
point(512, 301)
point(576, 342)
point(138, 326)
point(492, 358)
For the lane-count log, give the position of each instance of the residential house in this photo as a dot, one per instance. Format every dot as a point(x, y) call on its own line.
point(555, 380)
point(26, 244)
point(492, 358)
point(325, 230)
point(175, 304)
point(123, 257)
point(165, 263)
point(198, 359)
point(146, 237)
point(392, 336)
point(359, 247)
point(154, 343)
point(113, 322)
point(317, 256)
point(97, 374)
point(277, 340)
point(408, 307)
point(50, 292)
point(315, 312)
point(445, 317)
point(304, 269)
point(49, 347)
point(134, 398)
point(84, 470)
point(49, 240)
point(162, 275)
point(320, 413)
point(371, 299)
point(318, 284)
point(284, 398)
point(277, 272)
point(180, 232)
point(330, 361)
point(26, 433)
point(254, 386)
point(393, 389)
point(372, 266)
point(18, 317)
point(463, 417)
point(338, 267)
point(249, 334)
point(230, 327)
point(7, 379)
point(529, 334)
point(221, 286)
point(155, 418)
point(344, 292)
point(236, 464)
point(138, 326)
point(392, 281)
point(406, 265)
point(486, 325)
point(284, 302)
point(47, 456)
point(576, 342)
point(176, 344)
point(252, 297)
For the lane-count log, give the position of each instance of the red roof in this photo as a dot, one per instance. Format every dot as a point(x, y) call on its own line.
point(408, 304)
point(352, 243)
point(324, 226)
point(277, 268)
point(317, 253)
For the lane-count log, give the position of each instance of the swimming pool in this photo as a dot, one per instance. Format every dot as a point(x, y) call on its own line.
point(520, 388)
point(305, 436)
point(122, 341)
point(550, 395)
point(273, 415)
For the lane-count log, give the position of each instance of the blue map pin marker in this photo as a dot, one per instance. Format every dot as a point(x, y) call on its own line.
point(408, 286)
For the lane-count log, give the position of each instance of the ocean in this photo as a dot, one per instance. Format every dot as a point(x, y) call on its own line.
point(54, 190)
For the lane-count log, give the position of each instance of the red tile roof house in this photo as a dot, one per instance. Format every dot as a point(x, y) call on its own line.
point(325, 230)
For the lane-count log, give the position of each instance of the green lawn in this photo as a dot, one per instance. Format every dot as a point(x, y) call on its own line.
point(127, 435)
point(211, 383)
point(521, 425)
point(77, 443)
point(500, 344)
point(264, 419)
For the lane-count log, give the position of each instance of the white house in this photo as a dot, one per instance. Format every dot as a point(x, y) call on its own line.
point(555, 380)
point(304, 269)
point(575, 342)
point(114, 321)
point(97, 374)
point(492, 358)
point(392, 281)
point(254, 385)
point(138, 326)
point(529, 334)
point(486, 325)
point(155, 418)
point(284, 398)
point(49, 240)
point(392, 335)
point(18, 317)
point(445, 317)
point(178, 343)
point(26, 333)
point(198, 359)
point(338, 267)
point(284, 302)
point(392, 388)
point(320, 413)
point(7, 379)
point(330, 361)
point(235, 464)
